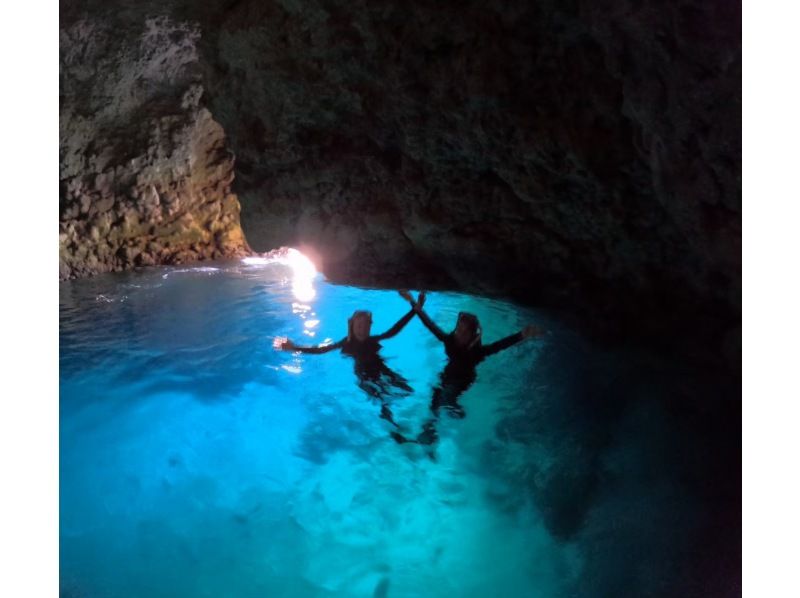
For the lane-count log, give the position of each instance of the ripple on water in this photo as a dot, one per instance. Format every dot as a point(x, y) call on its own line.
point(197, 461)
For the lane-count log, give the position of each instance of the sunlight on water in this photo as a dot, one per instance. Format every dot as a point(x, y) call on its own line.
point(195, 460)
point(303, 271)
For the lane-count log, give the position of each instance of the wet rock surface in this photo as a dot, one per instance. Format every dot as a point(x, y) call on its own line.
point(574, 155)
point(145, 169)
point(582, 155)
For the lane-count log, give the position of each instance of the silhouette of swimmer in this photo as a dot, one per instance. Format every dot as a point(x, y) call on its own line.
point(375, 378)
point(465, 351)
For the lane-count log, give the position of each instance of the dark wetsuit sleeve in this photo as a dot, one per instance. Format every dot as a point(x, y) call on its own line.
point(437, 332)
point(399, 325)
point(504, 343)
point(321, 348)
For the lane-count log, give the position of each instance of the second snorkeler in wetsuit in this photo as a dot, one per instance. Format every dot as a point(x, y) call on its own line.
point(465, 350)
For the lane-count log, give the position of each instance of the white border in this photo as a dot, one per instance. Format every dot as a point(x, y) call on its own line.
point(29, 324)
point(771, 360)
point(29, 309)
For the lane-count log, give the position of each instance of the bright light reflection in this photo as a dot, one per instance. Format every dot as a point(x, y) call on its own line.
point(302, 266)
point(311, 323)
point(184, 270)
point(303, 272)
point(303, 290)
point(256, 261)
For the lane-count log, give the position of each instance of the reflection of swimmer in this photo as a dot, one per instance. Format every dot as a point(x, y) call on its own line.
point(464, 351)
point(374, 377)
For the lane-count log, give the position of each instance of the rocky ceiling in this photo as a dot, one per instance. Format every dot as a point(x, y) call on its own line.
point(580, 155)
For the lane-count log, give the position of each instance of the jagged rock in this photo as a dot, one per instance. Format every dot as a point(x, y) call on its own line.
point(133, 130)
point(583, 155)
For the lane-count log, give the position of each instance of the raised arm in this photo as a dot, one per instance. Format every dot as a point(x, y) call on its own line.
point(398, 326)
point(505, 343)
point(431, 325)
point(417, 307)
point(284, 344)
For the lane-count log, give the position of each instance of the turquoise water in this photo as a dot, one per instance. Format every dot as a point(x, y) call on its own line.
point(195, 460)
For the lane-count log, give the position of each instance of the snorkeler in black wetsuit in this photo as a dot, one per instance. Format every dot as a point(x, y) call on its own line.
point(464, 351)
point(375, 378)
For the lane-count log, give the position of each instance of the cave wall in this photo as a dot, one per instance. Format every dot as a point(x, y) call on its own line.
point(145, 170)
point(583, 155)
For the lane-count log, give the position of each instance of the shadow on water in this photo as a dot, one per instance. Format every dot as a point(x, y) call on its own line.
point(339, 430)
point(265, 462)
point(380, 383)
point(634, 460)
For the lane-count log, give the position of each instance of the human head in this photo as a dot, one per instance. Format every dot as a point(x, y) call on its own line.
point(468, 330)
point(359, 324)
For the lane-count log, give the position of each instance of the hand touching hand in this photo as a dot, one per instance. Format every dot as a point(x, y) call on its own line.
point(408, 297)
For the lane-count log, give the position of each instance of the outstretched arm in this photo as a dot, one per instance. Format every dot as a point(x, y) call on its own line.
point(398, 326)
point(282, 343)
point(417, 307)
point(505, 343)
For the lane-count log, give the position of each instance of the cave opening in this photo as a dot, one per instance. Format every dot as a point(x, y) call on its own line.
point(564, 173)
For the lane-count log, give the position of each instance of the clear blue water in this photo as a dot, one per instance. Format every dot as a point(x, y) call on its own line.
point(195, 460)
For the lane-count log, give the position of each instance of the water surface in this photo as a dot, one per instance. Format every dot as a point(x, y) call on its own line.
point(195, 460)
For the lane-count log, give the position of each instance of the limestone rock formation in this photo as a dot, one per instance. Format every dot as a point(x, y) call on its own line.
point(145, 170)
point(580, 155)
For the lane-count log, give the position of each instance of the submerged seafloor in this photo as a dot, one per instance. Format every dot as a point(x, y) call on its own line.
point(195, 460)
